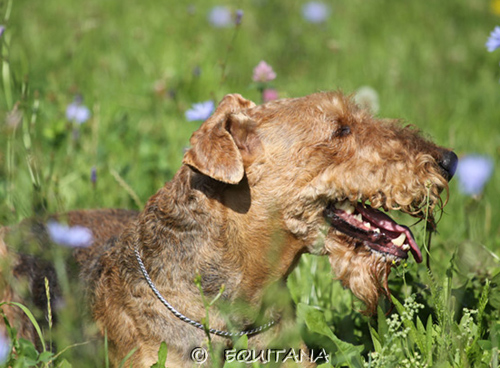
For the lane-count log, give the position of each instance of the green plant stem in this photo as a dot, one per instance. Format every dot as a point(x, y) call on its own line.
point(229, 50)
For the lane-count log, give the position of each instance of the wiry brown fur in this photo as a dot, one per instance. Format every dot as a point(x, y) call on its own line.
point(245, 205)
point(16, 264)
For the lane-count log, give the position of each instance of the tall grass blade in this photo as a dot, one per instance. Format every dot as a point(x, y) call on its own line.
point(127, 188)
point(31, 318)
point(106, 351)
point(6, 78)
point(131, 352)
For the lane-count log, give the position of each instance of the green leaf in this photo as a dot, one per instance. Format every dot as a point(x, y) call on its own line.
point(162, 356)
point(494, 297)
point(31, 318)
point(241, 344)
point(315, 321)
point(377, 345)
point(485, 344)
point(28, 350)
point(382, 324)
point(64, 364)
point(430, 339)
point(46, 357)
point(24, 362)
point(422, 337)
point(420, 327)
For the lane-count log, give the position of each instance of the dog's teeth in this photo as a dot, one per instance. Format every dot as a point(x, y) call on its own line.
point(399, 241)
point(358, 217)
point(406, 247)
point(376, 230)
point(368, 225)
point(345, 206)
point(340, 205)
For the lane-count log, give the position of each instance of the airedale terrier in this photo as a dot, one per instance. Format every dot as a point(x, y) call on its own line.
point(260, 186)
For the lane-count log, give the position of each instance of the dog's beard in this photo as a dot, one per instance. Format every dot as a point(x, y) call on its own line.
point(365, 273)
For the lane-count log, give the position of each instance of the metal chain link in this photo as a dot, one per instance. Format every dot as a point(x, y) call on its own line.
point(182, 317)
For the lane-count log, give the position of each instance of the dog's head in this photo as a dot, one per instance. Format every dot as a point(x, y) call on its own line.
point(332, 171)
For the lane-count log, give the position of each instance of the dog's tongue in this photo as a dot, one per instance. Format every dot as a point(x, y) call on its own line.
point(384, 222)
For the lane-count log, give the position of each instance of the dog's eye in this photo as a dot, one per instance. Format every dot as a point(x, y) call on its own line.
point(342, 131)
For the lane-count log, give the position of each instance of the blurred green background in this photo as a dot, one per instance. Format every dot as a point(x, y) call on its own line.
point(139, 65)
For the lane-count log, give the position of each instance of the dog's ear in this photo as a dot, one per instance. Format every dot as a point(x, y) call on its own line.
point(225, 143)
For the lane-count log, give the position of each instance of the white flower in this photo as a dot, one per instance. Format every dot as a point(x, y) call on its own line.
point(367, 98)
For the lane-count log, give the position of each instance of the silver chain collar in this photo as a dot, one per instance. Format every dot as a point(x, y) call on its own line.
point(199, 325)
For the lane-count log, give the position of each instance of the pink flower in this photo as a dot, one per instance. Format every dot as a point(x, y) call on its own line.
point(263, 72)
point(269, 94)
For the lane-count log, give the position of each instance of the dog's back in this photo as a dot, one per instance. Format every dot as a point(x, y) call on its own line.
point(19, 266)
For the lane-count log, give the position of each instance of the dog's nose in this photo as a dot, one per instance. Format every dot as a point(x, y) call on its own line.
point(449, 163)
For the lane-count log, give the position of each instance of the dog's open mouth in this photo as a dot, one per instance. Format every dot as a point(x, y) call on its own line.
point(373, 228)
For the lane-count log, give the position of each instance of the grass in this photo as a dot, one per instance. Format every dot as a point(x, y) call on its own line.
point(134, 65)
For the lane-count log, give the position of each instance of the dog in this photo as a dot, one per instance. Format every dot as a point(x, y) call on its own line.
point(260, 186)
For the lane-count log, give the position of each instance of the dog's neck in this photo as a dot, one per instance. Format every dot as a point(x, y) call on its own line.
point(210, 239)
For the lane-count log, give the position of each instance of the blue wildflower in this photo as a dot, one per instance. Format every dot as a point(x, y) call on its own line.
point(93, 175)
point(493, 42)
point(239, 17)
point(197, 71)
point(200, 111)
point(2, 30)
point(4, 348)
point(71, 236)
point(220, 17)
point(77, 112)
point(315, 12)
point(473, 172)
